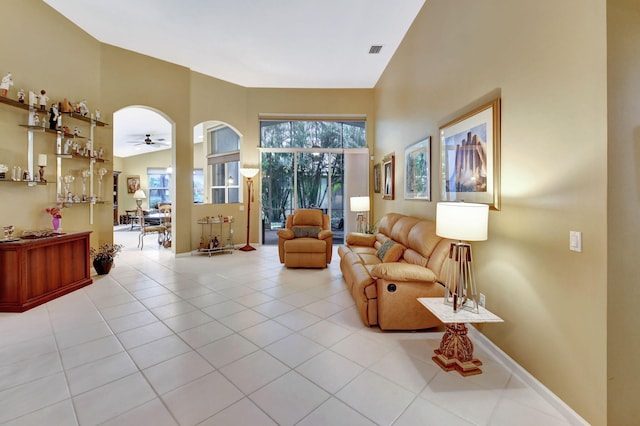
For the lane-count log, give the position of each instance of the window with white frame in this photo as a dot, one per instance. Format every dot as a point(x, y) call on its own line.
point(224, 163)
point(159, 186)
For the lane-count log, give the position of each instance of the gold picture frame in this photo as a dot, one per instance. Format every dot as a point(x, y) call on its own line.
point(377, 178)
point(133, 184)
point(470, 157)
point(417, 170)
point(388, 173)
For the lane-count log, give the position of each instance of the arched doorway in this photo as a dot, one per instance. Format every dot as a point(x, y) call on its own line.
point(143, 144)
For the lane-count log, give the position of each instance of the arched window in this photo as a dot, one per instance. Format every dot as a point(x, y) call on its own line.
point(224, 165)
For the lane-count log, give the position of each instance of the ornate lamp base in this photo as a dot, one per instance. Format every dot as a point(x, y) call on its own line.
point(456, 351)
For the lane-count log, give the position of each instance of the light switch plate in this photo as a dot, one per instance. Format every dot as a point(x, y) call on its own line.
point(575, 241)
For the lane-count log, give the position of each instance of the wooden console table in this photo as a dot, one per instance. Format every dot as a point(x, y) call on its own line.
point(35, 271)
point(456, 350)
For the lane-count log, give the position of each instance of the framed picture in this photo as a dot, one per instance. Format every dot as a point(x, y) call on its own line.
point(417, 170)
point(470, 157)
point(133, 184)
point(388, 172)
point(377, 177)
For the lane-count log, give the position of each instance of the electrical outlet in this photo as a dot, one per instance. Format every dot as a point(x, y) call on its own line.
point(482, 300)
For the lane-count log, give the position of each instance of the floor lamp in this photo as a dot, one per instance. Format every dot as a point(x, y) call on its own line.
point(463, 222)
point(249, 174)
point(361, 205)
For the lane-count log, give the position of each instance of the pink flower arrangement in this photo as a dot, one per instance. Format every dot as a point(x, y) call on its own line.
point(54, 212)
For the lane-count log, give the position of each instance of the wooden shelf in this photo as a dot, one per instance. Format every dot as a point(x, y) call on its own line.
point(81, 157)
point(16, 104)
point(29, 182)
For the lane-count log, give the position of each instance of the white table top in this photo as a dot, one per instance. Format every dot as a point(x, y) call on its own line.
point(445, 312)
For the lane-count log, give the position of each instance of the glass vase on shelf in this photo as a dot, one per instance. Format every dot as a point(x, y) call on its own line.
point(101, 172)
point(85, 175)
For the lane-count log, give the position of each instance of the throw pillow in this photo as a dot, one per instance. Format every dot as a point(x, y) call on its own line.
point(390, 251)
point(306, 231)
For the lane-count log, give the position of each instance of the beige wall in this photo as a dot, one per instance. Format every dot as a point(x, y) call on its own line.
point(623, 18)
point(548, 64)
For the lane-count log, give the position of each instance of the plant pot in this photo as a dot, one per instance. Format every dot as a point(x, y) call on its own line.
point(102, 267)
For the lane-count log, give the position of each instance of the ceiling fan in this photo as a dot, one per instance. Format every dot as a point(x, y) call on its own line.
point(148, 141)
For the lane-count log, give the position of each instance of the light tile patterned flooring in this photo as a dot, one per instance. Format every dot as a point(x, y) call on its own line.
point(235, 339)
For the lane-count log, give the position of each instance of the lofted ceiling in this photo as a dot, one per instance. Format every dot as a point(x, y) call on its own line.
point(254, 43)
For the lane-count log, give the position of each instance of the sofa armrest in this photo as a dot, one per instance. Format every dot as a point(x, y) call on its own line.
point(286, 234)
point(360, 239)
point(324, 234)
point(397, 271)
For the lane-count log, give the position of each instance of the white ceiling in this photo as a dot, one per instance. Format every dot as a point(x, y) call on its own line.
point(253, 43)
point(130, 127)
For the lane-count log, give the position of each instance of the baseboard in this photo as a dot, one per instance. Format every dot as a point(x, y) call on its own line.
point(480, 339)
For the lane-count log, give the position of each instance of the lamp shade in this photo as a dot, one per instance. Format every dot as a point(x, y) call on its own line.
point(248, 172)
point(462, 221)
point(359, 204)
point(139, 195)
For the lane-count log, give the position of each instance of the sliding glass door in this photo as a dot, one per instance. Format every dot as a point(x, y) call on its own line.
point(304, 179)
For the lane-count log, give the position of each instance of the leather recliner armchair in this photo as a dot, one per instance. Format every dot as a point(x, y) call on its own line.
point(307, 240)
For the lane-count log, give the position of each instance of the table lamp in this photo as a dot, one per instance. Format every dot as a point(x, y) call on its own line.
point(139, 196)
point(361, 205)
point(463, 222)
point(248, 173)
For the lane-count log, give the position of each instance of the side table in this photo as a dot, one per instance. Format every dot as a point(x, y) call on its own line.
point(456, 350)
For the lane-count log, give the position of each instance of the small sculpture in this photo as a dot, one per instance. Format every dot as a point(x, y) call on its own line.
point(65, 106)
point(44, 99)
point(67, 146)
point(7, 81)
point(97, 114)
point(82, 108)
point(53, 117)
point(100, 152)
point(76, 131)
point(36, 118)
point(21, 96)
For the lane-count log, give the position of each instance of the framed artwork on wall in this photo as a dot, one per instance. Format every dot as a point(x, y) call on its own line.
point(377, 173)
point(417, 170)
point(470, 157)
point(388, 173)
point(133, 184)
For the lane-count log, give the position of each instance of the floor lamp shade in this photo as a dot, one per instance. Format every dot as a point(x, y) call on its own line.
point(462, 222)
point(248, 173)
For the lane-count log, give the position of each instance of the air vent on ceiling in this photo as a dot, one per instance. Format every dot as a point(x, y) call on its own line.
point(375, 48)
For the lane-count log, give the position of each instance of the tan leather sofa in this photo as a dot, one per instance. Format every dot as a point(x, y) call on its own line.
point(307, 240)
point(385, 290)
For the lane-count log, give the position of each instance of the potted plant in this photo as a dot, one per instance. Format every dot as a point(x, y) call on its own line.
point(103, 257)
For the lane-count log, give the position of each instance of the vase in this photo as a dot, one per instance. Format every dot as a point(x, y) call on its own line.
point(102, 267)
point(57, 223)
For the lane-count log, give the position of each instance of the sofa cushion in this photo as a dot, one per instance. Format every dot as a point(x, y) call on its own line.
point(402, 272)
point(412, 256)
point(306, 231)
point(358, 239)
point(390, 251)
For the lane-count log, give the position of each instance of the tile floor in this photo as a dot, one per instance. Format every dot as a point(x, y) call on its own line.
point(235, 339)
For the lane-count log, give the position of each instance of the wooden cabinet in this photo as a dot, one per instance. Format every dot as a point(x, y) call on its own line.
point(33, 272)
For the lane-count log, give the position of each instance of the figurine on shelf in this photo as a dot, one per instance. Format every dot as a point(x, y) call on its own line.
point(65, 106)
point(82, 108)
point(67, 146)
point(87, 148)
point(36, 118)
point(53, 117)
point(7, 81)
point(21, 96)
point(100, 152)
point(98, 114)
point(76, 131)
point(44, 99)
